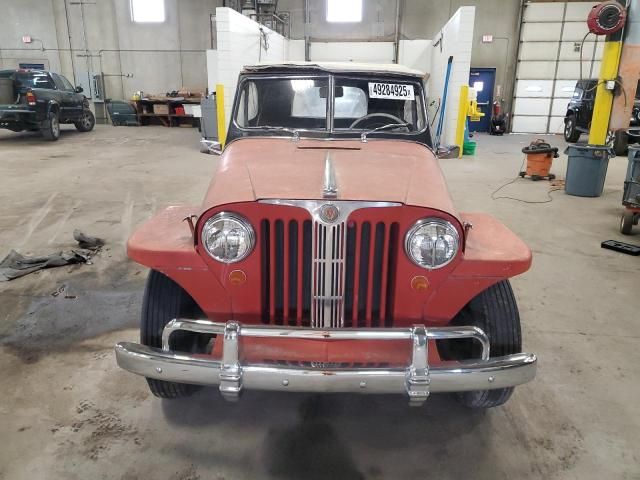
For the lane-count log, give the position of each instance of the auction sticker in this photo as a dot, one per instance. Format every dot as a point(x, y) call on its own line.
point(392, 91)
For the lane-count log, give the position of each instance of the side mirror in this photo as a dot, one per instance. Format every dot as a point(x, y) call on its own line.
point(79, 89)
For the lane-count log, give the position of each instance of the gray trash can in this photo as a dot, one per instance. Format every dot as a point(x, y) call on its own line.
point(633, 170)
point(631, 195)
point(587, 169)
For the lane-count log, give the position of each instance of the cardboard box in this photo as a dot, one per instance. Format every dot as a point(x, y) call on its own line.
point(161, 109)
point(194, 110)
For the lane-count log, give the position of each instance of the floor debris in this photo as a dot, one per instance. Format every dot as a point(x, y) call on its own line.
point(16, 265)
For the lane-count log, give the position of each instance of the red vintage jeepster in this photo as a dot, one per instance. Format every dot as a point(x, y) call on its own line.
point(327, 255)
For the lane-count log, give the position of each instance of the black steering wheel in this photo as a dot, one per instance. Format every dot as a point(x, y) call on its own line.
point(374, 120)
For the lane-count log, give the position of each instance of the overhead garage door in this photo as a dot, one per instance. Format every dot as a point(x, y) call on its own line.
point(549, 63)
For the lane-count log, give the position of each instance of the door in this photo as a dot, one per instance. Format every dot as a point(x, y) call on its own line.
point(586, 106)
point(483, 80)
point(70, 104)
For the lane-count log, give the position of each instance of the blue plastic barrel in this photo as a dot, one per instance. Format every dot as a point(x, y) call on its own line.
point(587, 169)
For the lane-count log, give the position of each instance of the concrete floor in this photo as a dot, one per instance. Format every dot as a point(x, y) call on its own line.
point(67, 412)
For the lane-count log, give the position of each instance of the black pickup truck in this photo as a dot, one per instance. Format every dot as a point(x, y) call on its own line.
point(580, 111)
point(37, 100)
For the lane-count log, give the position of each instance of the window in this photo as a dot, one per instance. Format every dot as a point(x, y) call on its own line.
point(344, 11)
point(67, 84)
point(147, 11)
point(357, 108)
point(62, 83)
point(34, 80)
point(283, 102)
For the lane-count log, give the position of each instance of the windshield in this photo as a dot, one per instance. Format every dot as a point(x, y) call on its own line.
point(358, 104)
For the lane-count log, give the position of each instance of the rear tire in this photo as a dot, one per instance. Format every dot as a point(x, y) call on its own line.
point(164, 300)
point(51, 127)
point(87, 122)
point(620, 143)
point(494, 311)
point(571, 135)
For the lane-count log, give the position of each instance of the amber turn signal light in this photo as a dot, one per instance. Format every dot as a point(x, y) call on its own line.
point(419, 283)
point(237, 277)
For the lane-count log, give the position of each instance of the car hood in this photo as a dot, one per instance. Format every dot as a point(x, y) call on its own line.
point(280, 168)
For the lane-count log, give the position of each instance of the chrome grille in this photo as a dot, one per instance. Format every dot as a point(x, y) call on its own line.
point(328, 275)
point(324, 274)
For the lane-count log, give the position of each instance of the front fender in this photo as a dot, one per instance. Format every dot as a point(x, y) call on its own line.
point(493, 253)
point(164, 243)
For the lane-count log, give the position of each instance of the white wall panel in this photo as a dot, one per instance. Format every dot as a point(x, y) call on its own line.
point(532, 106)
point(575, 31)
point(578, 11)
point(415, 54)
point(564, 88)
point(239, 44)
point(559, 107)
point(529, 124)
point(543, 12)
point(534, 88)
point(568, 51)
point(556, 124)
point(569, 70)
point(295, 50)
point(539, 51)
point(369, 52)
point(541, 32)
point(536, 70)
point(457, 41)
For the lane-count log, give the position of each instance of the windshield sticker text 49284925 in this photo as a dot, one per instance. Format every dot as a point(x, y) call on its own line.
point(392, 91)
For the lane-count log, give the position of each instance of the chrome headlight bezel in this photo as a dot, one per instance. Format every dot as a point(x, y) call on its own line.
point(241, 222)
point(413, 231)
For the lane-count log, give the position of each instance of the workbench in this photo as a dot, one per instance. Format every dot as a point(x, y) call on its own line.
point(145, 111)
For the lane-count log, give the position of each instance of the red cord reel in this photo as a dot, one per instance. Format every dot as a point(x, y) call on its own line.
point(607, 18)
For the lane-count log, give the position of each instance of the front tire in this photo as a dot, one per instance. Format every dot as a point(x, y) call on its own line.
point(494, 311)
point(51, 127)
point(87, 122)
point(164, 300)
point(571, 134)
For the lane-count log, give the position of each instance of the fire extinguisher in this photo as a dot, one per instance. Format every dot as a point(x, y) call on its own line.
point(498, 120)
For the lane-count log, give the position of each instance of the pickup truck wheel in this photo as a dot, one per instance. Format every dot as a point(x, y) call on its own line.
point(494, 311)
point(163, 301)
point(571, 135)
point(87, 122)
point(51, 127)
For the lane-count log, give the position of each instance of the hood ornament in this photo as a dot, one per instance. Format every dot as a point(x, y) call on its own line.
point(330, 188)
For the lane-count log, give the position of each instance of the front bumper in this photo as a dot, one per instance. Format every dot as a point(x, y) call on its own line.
point(417, 380)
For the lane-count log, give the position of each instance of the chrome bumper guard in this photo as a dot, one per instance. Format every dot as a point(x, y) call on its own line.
point(418, 380)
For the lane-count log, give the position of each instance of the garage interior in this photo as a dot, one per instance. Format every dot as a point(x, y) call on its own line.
point(69, 412)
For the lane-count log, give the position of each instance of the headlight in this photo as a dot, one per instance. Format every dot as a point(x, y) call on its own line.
point(432, 243)
point(228, 237)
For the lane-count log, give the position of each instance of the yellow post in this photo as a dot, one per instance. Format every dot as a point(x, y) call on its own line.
point(604, 98)
point(222, 126)
point(463, 109)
